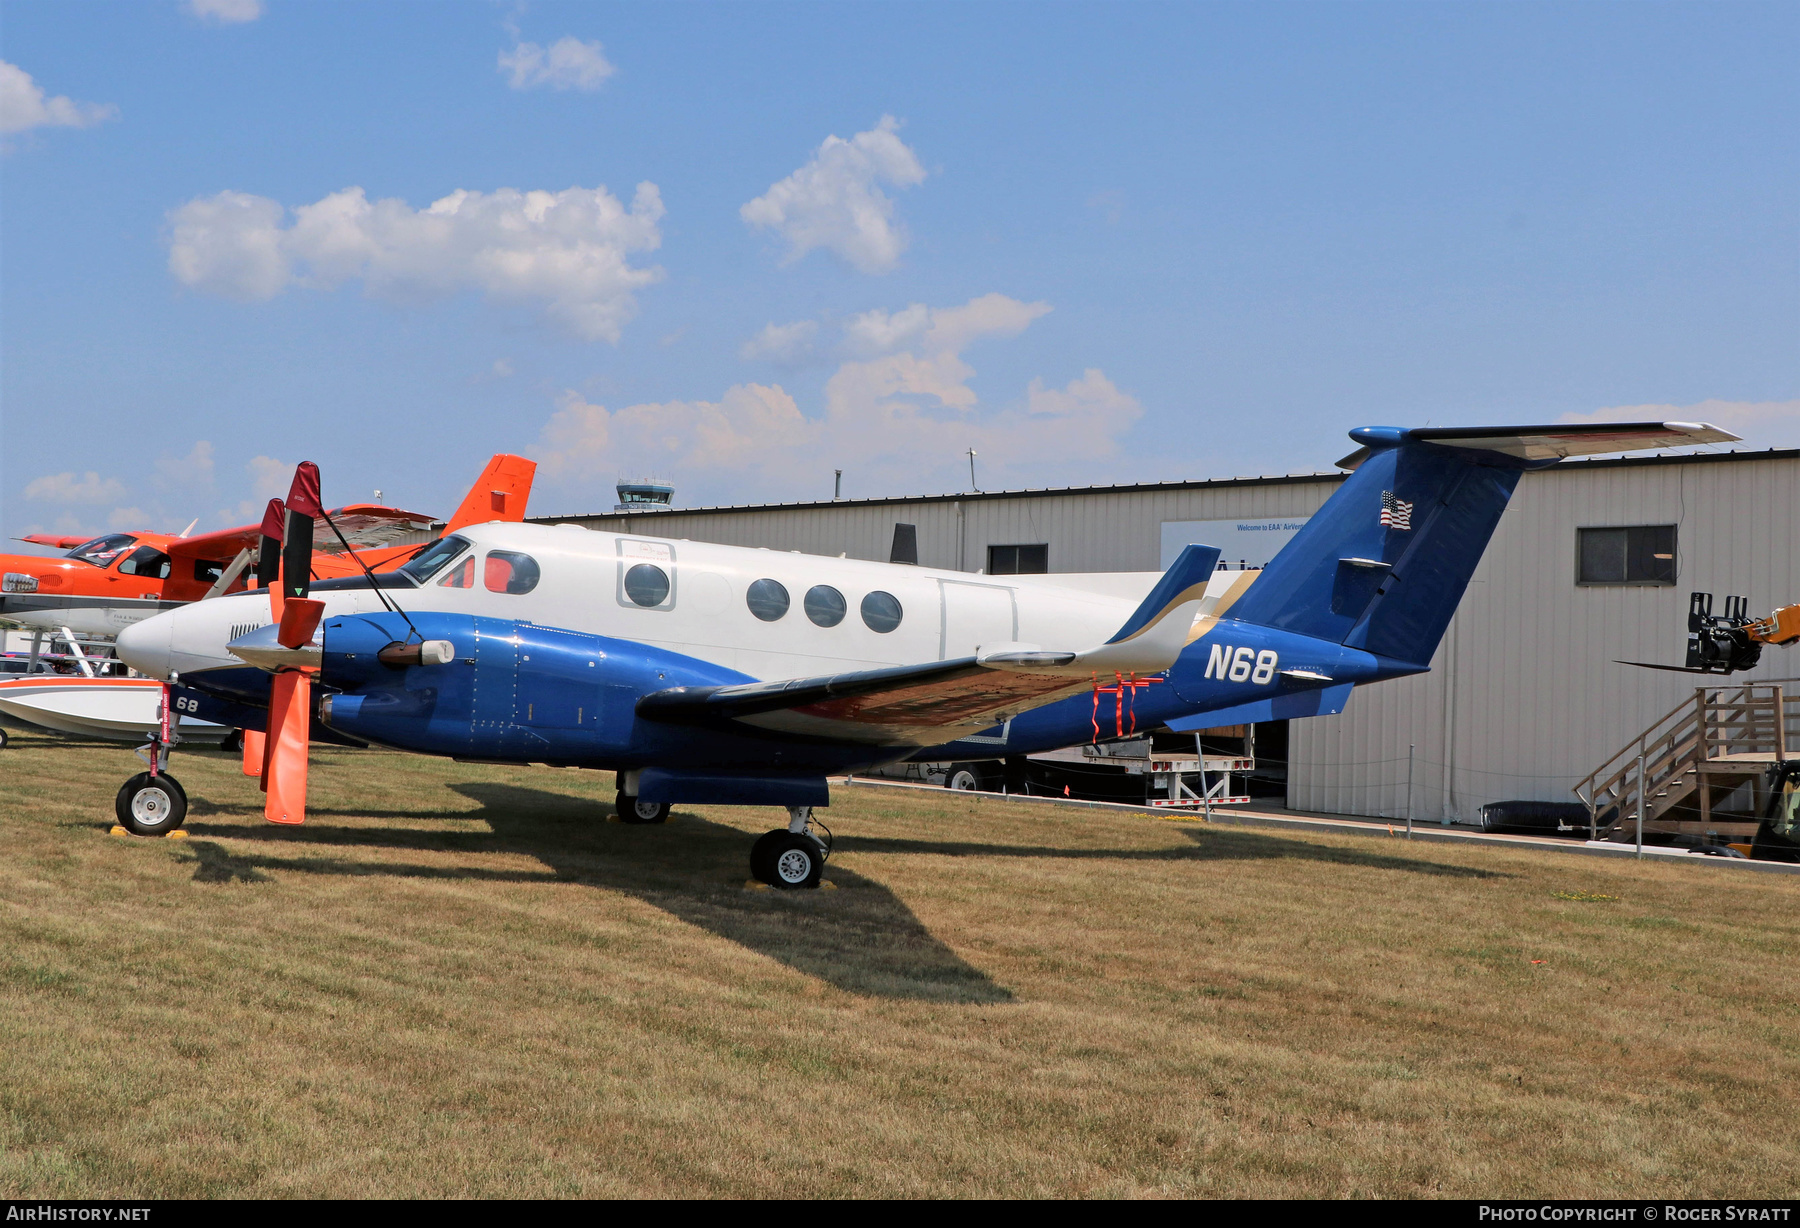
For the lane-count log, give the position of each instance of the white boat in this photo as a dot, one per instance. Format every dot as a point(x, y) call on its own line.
point(120, 708)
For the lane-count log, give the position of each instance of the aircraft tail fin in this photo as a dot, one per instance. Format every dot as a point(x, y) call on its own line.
point(500, 493)
point(1383, 565)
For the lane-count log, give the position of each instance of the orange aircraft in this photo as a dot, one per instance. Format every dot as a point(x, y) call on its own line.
point(104, 584)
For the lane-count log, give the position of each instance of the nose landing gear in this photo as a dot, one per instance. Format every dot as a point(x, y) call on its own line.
point(791, 858)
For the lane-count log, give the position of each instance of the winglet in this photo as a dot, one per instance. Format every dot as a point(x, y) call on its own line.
point(500, 493)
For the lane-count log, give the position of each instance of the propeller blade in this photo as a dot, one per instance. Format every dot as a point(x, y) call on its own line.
point(268, 558)
point(284, 763)
point(253, 752)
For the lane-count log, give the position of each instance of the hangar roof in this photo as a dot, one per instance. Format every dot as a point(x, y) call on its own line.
point(1290, 479)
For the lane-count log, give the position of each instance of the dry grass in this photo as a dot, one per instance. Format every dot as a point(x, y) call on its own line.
point(461, 980)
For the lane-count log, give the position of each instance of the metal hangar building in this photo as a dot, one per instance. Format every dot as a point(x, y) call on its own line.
point(1592, 565)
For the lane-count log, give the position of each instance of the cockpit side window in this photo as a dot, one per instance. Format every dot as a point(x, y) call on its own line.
point(426, 564)
point(460, 576)
point(508, 571)
point(103, 550)
point(148, 562)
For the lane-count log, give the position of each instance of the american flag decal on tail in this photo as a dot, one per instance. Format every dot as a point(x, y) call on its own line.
point(1396, 513)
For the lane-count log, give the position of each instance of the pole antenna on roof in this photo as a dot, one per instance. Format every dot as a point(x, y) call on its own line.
point(972, 485)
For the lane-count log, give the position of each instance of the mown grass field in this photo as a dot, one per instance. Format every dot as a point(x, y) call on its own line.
point(463, 980)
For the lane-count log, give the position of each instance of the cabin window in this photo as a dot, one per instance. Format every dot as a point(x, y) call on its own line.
point(825, 605)
point(208, 571)
point(508, 571)
point(647, 585)
point(767, 599)
point(1018, 560)
point(1631, 554)
point(148, 562)
point(103, 550)
point(881, 612)
point(434, 556)
point(460, 576)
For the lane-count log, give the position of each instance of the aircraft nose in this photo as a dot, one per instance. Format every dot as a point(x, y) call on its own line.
point(145, 646)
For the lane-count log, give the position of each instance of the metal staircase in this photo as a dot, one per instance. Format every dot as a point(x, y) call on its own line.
point(1703, 748)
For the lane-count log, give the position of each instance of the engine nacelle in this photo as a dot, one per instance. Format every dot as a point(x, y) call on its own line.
point(491, 688)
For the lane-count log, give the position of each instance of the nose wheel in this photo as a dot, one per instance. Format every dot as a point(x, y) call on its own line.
point(790, 858)
point(151, 805)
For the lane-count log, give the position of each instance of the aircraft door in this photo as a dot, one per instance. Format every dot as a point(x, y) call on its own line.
point(975, 614)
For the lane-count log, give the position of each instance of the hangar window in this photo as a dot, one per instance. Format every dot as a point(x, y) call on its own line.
point(1018, 560)
point(508, 571)
point(434, 556)
point(825, 605)
point(146, 561)
point(1632, 554)
point(881, 612)
point(103, 550)
point(647, 584)
point(460, 576)
point(767, 599)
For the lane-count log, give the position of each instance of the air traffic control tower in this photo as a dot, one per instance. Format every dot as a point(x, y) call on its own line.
point(644, 497)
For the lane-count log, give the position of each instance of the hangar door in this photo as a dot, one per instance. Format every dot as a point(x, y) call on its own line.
point(975, 614)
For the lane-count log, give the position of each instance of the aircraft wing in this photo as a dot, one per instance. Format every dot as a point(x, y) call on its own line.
point(364, 525)
point(58, 541)
point(939, 701)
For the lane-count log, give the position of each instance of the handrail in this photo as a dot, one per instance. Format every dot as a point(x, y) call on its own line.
point(1740, 718)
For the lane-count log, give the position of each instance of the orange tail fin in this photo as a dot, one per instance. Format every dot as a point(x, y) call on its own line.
point(500, 493)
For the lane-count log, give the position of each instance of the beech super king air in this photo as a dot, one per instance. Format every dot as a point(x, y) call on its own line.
point(716, 674)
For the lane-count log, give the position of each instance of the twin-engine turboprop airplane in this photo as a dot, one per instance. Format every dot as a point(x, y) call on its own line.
point(105, 584)
point(717, 674)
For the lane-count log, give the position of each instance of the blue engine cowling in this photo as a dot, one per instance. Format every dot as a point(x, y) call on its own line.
point(514, 690)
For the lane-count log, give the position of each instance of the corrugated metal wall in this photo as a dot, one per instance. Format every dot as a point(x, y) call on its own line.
point(1105, 529)
point(1524, 698)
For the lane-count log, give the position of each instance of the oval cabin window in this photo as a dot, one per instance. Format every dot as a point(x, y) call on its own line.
point(767, 599)
point(647, 585)
point(881, 612)
point(825, 605)
point(508, 571)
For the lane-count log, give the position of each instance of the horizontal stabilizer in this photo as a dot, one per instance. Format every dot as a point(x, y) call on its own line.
point(1539, 445)
point(1327, 701)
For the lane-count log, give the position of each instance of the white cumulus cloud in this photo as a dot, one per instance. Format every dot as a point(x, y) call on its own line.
point(1762, 424)
point(566, 64)
point(88, 487)
point(568, 251)
point(786, 344)
point(23, 105)
point(225, 12)
point(898, 415)
point(835, 201)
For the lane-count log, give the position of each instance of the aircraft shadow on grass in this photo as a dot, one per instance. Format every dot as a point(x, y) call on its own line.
point(860, 938)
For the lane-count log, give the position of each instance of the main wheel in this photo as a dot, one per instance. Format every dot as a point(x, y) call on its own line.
point(788, 860)
point(631, 810)
point(233, 743)
point(151, 805)
point(2, 739)
point(968, 777)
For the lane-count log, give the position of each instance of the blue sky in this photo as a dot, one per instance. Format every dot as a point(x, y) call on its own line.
point(1096, 243)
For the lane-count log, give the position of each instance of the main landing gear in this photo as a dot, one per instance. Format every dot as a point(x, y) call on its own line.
point(792, 857)
point(631, 810)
